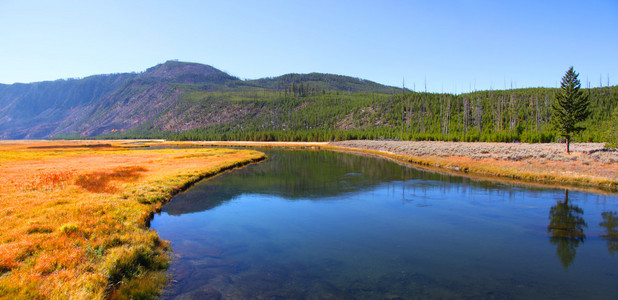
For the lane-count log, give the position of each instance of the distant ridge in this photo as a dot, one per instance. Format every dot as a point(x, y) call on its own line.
point(192, 101)
point(187, 73)
point(323, 81)
point(97, 104)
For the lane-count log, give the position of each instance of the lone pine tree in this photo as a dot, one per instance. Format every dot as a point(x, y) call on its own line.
point(570, 107)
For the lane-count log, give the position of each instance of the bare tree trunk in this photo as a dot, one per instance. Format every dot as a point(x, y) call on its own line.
point(568, 143)
point(512, 112)
point(448, 114)
point(423, 113)
point(478, 109)
point(410, 112)
point(403, 117)
point(466, 112)
point(442, 114)
point(537, 112)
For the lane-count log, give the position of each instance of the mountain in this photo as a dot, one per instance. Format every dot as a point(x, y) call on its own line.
point(190, 101)
point(141, 98)
point(322, 81)
point(118, 102)
point(187, 73)
point(35, 110)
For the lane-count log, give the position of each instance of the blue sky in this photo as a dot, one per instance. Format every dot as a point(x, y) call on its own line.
point(452, 46)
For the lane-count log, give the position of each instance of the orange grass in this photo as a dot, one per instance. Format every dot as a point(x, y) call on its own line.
point(74, 216)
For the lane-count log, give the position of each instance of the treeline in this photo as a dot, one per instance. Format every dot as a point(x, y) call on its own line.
point(301, 112)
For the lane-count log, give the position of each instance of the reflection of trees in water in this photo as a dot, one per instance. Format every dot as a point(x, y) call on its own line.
point(567, 229)
point(610, 222)
point(294, 175)
point(320, 175)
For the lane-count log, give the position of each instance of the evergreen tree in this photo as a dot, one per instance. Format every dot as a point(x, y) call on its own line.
point(571, 106)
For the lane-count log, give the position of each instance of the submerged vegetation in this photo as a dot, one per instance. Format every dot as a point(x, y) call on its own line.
point(75, 219)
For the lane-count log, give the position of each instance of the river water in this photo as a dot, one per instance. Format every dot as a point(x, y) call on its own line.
point(327, 225)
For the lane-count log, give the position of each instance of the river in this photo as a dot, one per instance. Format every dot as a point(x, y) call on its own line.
point(328, 225)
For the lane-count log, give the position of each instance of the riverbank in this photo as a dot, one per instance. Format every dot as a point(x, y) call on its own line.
point(588, 164)
point(75, 214)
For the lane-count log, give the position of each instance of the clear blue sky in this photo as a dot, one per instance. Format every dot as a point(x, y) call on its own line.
point(454, 46)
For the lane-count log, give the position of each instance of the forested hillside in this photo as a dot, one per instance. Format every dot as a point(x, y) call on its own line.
point(188, 101)
point(304, 112)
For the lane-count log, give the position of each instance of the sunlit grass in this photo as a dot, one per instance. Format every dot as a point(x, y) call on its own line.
point(75, 219)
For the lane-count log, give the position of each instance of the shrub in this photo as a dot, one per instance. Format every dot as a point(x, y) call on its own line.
point(69, 228)
point(39, 229)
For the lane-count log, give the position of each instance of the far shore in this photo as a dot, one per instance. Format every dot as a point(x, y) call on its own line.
point(588, 165)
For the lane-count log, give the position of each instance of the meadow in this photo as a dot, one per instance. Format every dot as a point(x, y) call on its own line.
point(75, 215)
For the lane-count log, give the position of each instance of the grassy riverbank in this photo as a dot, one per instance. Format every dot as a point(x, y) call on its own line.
point(588, 166)
point(75, 214)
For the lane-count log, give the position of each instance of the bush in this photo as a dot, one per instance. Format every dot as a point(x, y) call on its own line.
point(69, 228)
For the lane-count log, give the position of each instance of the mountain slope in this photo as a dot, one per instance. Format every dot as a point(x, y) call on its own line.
point(34, 110)
point(141, 98)
point(187, 73)
point(179, 100)
point(322, 82)
point(109, 103)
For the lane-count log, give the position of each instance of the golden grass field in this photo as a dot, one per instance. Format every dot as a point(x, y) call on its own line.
point(75, 215)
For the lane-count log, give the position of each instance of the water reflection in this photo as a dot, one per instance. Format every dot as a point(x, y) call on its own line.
point(567, 229)
point(314, 175)
point(610, 223)
point(320, 225)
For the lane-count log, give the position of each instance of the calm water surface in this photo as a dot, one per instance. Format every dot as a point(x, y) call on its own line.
point(325, 225)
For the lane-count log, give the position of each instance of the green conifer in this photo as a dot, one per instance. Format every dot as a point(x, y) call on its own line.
point(570, 107)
